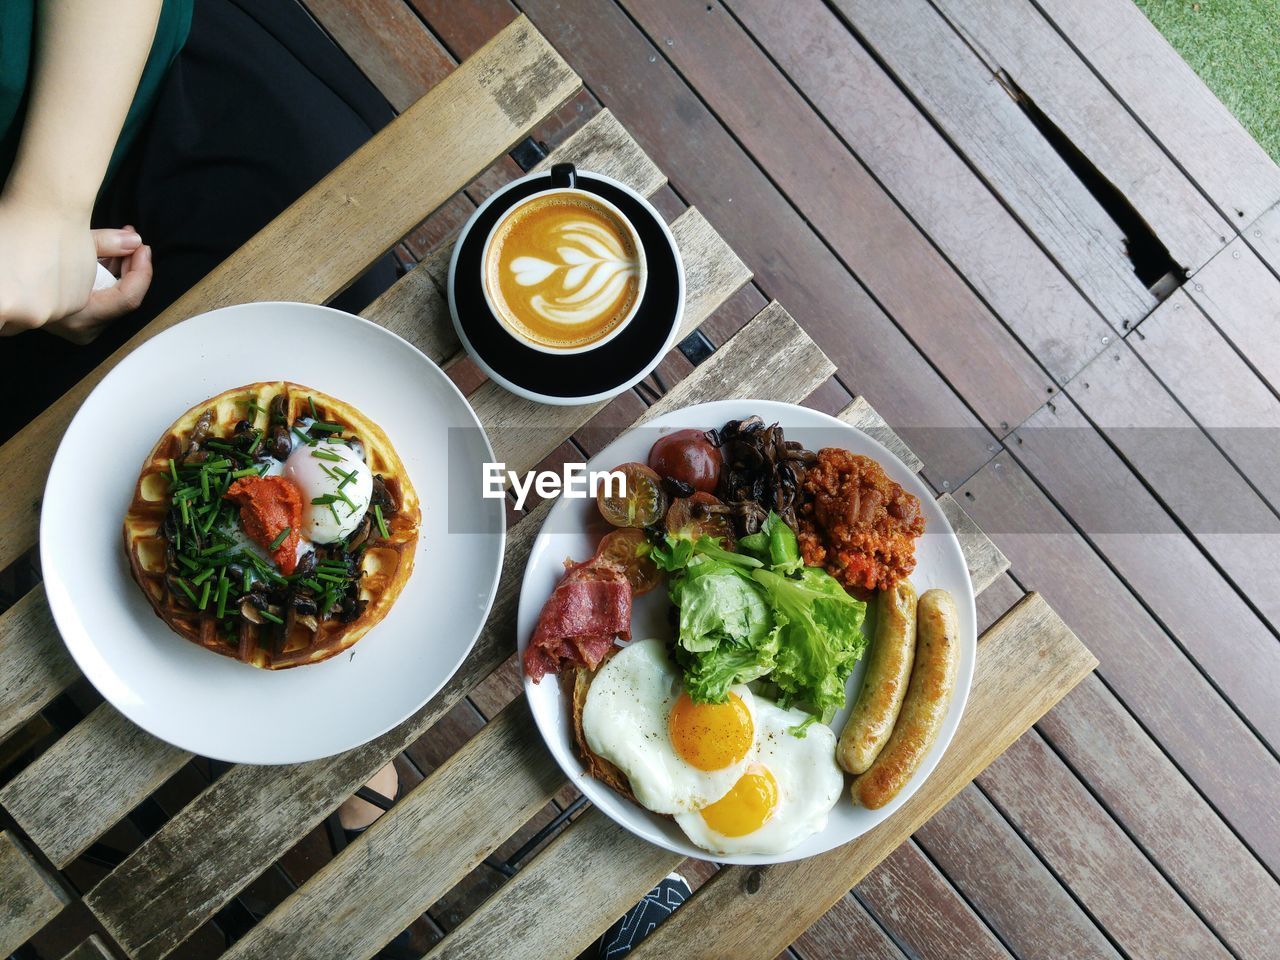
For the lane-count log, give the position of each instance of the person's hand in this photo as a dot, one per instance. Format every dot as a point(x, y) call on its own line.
point(47, 269)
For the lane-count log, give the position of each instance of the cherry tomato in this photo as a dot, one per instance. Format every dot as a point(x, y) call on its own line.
point(684, 518)
point(623, 549)
point(687, 456)
point(642, 503)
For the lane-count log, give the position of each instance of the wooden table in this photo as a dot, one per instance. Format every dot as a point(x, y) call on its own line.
point(197, 862)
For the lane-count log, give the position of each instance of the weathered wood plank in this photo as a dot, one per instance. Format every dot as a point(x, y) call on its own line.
point(907, 275)
point(1008, 885)
point(995, 601)
point(1172, 102)
point(984, 123)
point(1089, 851)
point(1140, 786)
point(913, 899)
point(91, 949)
point(336, 229)
point(415, 306)
point(1015, 37)
point(932, 182)
point(34, 664)
point(77, 790)
point(1242, 297)
point(1133, 531)
point(1219, 389)
point(1140, 662)
point(375, 887)
point(847, 930)
point(860, 414)
point(391, 46)
point(984, 559)
point(29, 897)
point(251, 815)
point(790, 262)
point(1025, 663)
point(1203, 490)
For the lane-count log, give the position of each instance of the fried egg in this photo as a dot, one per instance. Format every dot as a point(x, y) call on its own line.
point(783, 796)
point(337, 476)
point(678, 755)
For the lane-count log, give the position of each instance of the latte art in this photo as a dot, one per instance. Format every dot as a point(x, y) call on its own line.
point(593, 269)
point(563, 271)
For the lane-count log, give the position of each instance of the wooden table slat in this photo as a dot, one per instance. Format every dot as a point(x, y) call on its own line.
point(337, 229)
point(91, 949)
point(984, 559)
point(29, 897)
point(84, 784)
point(251, 815)
point(412, 855)
point(34, 664)
point(860, 414)
point(1026, 663)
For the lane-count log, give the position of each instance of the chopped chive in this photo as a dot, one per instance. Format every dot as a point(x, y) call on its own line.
point(204, 483)
point(188, 562)
point(186, 493)
point(246, 581)
point(280, 538)
point(246, 472)
point(329, 473)
point(330, 578)
point(200, 578)
point(186, 589)
point(221, 445)
point(309, 441)
point(186, 512)
point(346, 476)
point(324, 500)
point(213, 518)
point(311, 585)
point(268, 615)
point(257, 442)
point(334, 510)
point(311, 401)
point(262, 470)
point(209, 551)
point(326, 455)
point(382, 524)
point(204, 594)
point(345, 499)
point(224, 586)
point(324, 426)
point(173, 471)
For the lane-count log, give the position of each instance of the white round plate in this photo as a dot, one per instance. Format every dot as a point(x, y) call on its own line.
point(573, 528)
point(213, 705)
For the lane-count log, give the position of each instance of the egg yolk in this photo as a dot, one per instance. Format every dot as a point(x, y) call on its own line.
point(747, 806)
point(711, 736)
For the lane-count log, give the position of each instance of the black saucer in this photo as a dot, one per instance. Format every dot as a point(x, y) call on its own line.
point(578, 377)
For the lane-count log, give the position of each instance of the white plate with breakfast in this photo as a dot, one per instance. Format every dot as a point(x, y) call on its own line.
point(754, 646)
point(263, 539)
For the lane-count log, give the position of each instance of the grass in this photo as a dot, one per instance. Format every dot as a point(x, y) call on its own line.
point(1234, 45)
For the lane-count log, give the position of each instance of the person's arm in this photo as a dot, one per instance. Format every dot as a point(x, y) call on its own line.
point(88, 59)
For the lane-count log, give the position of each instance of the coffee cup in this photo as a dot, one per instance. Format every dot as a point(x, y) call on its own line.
point(563, 270)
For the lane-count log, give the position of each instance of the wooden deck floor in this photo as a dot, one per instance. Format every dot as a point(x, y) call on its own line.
point(1026, 232)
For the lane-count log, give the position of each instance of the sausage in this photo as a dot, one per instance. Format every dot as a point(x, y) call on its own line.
point(884, 684)
point(933, 681)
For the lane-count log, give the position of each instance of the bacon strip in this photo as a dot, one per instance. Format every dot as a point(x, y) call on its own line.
point(587, 611)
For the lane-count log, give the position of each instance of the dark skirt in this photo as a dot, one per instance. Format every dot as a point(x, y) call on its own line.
point(257, 108)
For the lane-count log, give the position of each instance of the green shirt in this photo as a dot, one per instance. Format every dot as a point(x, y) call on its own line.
point(17, 44)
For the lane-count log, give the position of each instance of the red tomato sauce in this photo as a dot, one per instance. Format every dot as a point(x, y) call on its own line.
point(269, 505)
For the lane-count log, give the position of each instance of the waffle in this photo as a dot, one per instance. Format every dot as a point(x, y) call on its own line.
point(384, 563)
